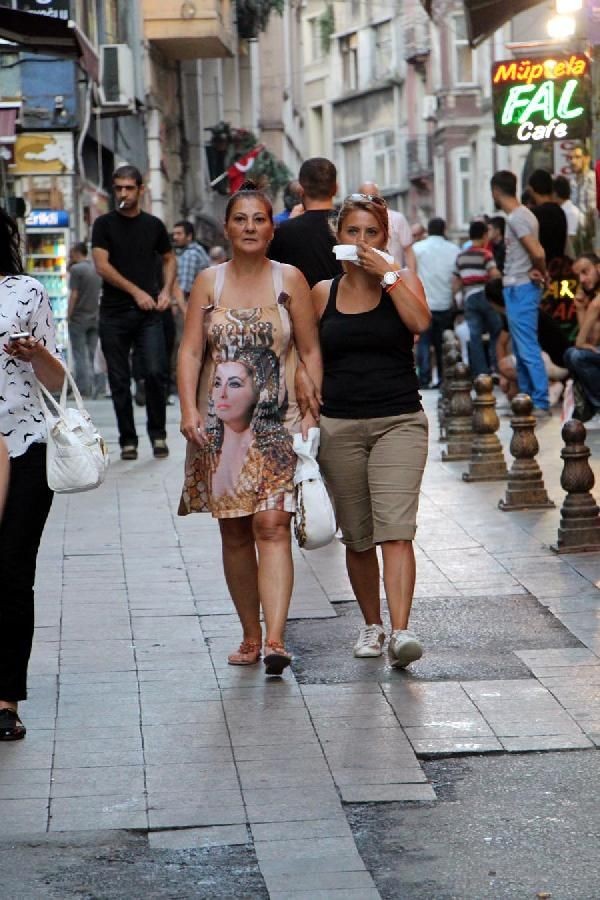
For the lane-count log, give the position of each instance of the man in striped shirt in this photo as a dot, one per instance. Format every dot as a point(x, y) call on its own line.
point(474, 268)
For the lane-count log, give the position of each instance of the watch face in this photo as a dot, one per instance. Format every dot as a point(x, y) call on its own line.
point(390, 277)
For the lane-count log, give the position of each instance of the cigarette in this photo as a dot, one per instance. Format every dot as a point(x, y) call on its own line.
point(121, 204)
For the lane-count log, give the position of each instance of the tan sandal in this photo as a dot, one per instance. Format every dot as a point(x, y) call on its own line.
point(276, 658)
point(247, 654)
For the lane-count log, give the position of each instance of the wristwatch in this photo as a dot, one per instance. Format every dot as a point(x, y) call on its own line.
point(389, 280)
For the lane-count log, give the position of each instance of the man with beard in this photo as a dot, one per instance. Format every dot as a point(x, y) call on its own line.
point(583, 360)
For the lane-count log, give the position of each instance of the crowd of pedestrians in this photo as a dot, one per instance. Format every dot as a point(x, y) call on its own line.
point(270, 337)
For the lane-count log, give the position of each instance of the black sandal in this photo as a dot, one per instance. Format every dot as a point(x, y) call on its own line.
point(275, 657)
point(11, 727)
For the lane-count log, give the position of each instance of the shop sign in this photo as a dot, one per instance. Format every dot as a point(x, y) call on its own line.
point(54, 9)
point(47, 218)
point(44, 153)
point(542, 99)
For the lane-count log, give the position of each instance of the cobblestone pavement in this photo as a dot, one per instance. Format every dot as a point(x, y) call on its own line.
point(136, 722)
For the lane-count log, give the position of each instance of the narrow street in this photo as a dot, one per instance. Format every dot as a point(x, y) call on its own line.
point(153, 769)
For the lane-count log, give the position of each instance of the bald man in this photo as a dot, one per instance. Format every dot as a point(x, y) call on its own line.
point(401, 239)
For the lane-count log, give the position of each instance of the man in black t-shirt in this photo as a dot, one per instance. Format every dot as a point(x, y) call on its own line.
point(307, 241)
point(551, 218)
point(127, 246)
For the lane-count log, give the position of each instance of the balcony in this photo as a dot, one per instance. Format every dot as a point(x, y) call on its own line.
point(419, 158)
point(201, 29)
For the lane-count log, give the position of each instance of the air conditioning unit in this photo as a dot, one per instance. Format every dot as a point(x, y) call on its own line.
point(117, 77)
point(430, 105)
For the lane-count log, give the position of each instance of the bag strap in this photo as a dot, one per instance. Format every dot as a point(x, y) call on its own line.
point(52, 407)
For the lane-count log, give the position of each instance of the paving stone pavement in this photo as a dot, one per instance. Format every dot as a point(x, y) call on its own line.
point(135, 721)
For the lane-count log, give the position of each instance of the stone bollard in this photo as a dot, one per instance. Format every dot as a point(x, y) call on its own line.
point(451, 358)
point(525, 488)
point(487, 459)
point(579, 528)
point(459, 429)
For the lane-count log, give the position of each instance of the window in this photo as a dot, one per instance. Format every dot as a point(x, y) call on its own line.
point(315, 44)
point(464, 57)
point(349, 51)
point(462, 180)
point(352, 166)
point(317, 137)
point(382, 50)
point(385, 158)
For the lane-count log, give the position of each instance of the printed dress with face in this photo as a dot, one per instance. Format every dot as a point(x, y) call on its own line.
point(246, 398)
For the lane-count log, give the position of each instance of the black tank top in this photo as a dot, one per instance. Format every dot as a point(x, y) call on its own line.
point(368, 362)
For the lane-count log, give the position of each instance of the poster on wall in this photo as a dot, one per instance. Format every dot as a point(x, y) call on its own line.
point(545, 99)
point(44, 153)
point(54, 9)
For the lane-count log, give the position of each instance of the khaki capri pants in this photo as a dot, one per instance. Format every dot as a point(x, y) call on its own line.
point(373, 470)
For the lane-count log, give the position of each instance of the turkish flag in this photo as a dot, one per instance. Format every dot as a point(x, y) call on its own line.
point(236, 172)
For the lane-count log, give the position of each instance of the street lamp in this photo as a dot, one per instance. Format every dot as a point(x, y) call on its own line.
point(565, 7)
point(561, 26)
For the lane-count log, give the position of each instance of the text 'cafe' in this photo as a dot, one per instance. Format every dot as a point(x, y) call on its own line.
point(542, 99)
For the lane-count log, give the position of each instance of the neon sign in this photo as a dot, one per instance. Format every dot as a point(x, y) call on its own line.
point(541, 99)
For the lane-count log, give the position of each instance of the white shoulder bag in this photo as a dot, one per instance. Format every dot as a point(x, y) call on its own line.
point(314, 522)
point(76, 456)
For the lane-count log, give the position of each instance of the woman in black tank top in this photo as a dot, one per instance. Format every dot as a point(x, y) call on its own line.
point(373, 428)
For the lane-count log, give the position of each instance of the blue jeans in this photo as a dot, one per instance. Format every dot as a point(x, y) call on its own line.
point(481, 318)
point(83, 344)
point(585, 366)
point(120, 332)
point(522, 309)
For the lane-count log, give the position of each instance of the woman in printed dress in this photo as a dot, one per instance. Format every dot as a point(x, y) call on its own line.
point(248, 321)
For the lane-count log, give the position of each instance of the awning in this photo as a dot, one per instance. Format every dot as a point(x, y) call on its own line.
point(8, 123)
point(45, 34)
point(485, 16)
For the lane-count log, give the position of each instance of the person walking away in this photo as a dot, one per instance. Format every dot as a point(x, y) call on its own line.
point(583, 360)
point(84, 298)
point(127, 244)
point(244, 318)
point(307, 241)
point(373, 428)
point(553, 233)
point(475, 267)
point(524, 273)
point(25, 308)
point(436, 260)
point(401, 238)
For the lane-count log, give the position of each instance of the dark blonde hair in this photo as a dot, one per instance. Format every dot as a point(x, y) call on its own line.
point(365, 203)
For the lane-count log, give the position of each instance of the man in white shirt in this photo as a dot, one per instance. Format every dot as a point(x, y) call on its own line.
point(436, 261)
point(401, 239)
point(562, 195)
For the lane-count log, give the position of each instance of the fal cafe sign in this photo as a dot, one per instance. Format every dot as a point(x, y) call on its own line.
point(542, 99)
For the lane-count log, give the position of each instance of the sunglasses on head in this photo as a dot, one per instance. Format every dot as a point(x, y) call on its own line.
point(366, 198)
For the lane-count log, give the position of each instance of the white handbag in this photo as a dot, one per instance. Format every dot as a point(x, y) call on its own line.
point(76, 456)
point(314, 522)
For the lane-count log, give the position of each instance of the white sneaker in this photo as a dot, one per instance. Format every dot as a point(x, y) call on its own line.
point(404, 648)
point(370, 641)
point(593, 424)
